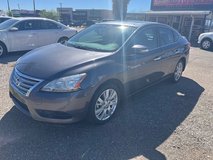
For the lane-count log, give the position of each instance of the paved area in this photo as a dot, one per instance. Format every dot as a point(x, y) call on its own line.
point(166, 121)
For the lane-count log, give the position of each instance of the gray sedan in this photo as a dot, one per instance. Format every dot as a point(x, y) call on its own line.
point(91, 74)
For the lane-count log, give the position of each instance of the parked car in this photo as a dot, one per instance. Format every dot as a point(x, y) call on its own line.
point(2, 19)
point(205, 40)
point(90, 75)
point(19, 34)
point(89, 23)
point(76, 24)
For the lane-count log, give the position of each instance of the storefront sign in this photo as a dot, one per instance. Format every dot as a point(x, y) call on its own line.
point(168, 5)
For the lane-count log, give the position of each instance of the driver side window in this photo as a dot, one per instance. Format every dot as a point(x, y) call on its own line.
point(146, 37)
point(27, 25)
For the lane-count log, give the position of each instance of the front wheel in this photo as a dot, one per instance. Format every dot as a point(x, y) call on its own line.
point(178, 72)
point(206, 44)
point(104, 104)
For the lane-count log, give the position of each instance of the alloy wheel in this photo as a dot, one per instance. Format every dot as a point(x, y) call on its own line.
point(206, 44)
point(178, 71)
point(106, 104)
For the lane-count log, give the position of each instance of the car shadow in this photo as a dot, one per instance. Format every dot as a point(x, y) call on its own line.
point(11, 57)
point(142, 124)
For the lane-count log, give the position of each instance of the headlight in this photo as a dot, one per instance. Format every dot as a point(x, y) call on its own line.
point(65, 84)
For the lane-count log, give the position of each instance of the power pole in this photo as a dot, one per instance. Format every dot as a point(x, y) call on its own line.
point(8, 6)
point(60, 12)
point(19, 7)
point(34, 7)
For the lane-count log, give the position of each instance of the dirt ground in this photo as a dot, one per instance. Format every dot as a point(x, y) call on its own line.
point(166, 121)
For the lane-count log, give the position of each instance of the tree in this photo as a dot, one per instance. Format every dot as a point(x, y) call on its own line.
point(49, 14)
point(9, 13)
point(119, 8)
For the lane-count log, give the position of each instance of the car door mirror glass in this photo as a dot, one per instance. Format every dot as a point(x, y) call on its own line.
point(13, 29)
point(137, 48)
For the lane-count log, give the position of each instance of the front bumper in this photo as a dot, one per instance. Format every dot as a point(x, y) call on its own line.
point(53, 107)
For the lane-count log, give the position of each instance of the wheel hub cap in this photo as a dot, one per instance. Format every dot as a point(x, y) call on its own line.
point(206, 44)
point(106, 104)
point(178, 72)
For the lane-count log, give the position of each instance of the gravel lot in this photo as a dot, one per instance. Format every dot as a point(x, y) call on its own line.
point(166, 121)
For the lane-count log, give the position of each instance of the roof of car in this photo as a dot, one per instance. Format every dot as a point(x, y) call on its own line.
point(5, 17)
point(28, 18)
point(129, 23)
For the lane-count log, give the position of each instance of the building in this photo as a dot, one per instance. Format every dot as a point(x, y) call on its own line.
point(189, 17)
point(99, 14)
point(135, 16)
point(189, 23)
point(66, 15)
point(2, 13)
point(80, 15)
point(25, 13)
point(92, 14)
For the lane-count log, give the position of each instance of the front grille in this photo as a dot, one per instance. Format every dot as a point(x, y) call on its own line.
point(23, 83)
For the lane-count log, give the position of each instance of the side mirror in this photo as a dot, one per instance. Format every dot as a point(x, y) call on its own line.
point(13, 29)
point(137, 48)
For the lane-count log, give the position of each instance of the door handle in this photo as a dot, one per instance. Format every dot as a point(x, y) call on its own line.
point(158, 58)
point(177, 51)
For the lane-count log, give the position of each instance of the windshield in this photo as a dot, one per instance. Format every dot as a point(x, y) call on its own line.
point(102, 37)
point(8, 23)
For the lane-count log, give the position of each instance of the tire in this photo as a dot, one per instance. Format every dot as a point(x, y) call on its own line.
point(3, 49)
point(103, 108)
point(206, 44)
point(178, 71)
point(63, 40)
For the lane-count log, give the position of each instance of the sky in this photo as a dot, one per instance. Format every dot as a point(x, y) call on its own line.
point(134, 6)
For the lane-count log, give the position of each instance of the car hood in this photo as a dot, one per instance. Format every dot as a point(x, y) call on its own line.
point(53, 59)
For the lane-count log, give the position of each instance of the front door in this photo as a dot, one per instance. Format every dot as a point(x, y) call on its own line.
point(26, 37)
point(144, 68)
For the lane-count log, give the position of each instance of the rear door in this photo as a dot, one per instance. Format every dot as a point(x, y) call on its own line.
point(49, 32)
point(143, 68)
point(170, 48)
point(26, 37)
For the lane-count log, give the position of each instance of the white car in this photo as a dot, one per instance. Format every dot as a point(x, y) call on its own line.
point(20, 34)
point(206, 40)
point(3, 19)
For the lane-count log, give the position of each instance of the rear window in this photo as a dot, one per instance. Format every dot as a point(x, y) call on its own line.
point(49, 25)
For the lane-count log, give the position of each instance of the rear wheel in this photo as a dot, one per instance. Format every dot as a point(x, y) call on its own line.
point(206, 44)
point(63, 40)
point(178, 71)
point(3, 49)
point(104, 104)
